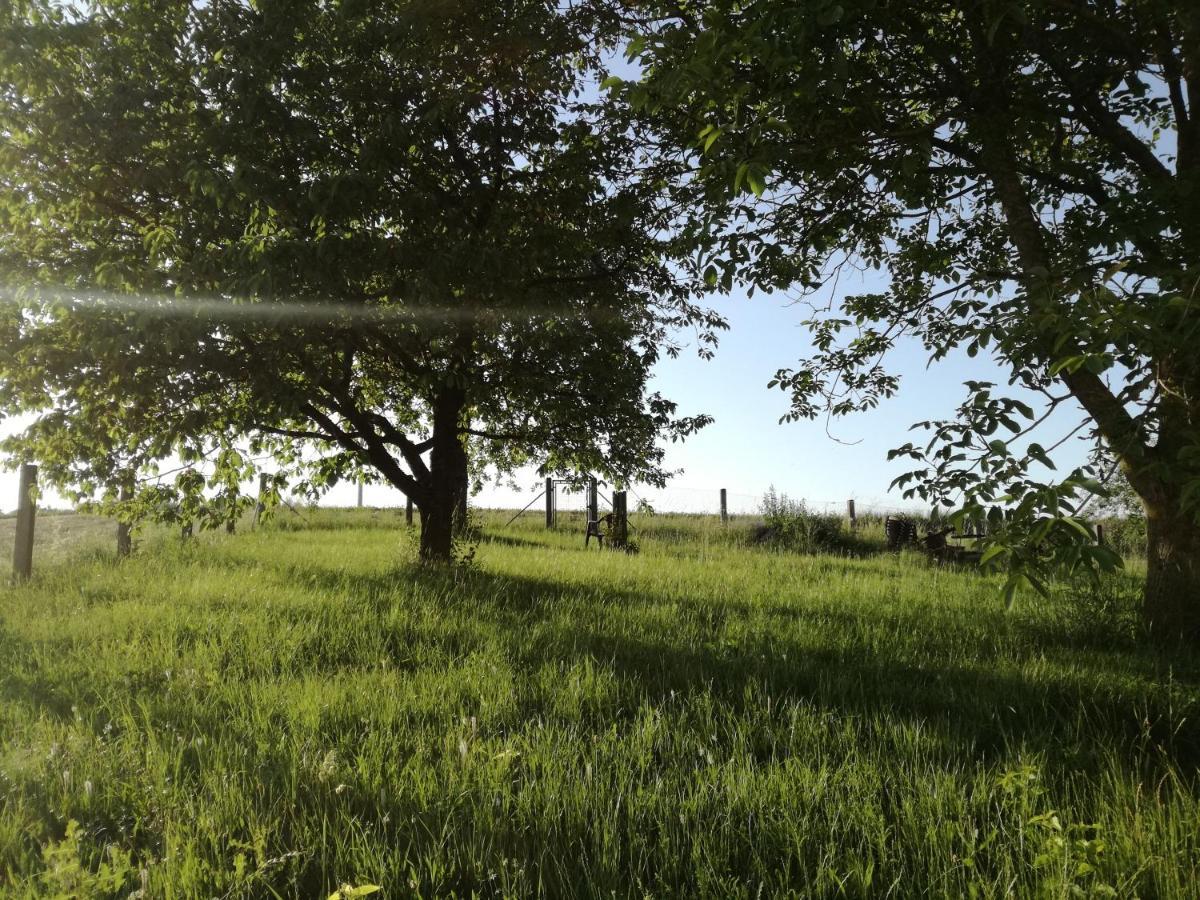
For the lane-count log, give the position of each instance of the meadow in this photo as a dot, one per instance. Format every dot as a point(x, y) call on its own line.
point(301, 710)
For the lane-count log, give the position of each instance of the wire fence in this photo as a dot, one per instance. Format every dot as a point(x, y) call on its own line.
point(685, 500)
point(547, 500)
point(568, 499)
point(679, 499)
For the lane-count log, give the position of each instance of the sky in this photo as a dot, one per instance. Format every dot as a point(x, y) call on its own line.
point(746, 450)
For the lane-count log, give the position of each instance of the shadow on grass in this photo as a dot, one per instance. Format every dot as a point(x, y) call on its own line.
point(512, 540)
point(21, 681)
point(870, 665)
point(982, 694)
point(968, 689)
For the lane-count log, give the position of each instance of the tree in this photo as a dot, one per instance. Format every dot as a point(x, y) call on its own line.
point(381, 230)
point(1026, 173)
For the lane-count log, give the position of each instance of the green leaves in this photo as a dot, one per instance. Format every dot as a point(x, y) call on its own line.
point(1035, 451)
point(1030, 226)
point(260, 241)
point(708, 136)
point(752, 175)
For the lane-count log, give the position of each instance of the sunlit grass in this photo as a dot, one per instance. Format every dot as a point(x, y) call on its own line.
point(58, 537)
point(285, 711)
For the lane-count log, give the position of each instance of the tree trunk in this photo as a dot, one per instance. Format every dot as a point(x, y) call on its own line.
point(1171, 602)
point(441, 513)
point(1171, 597)
point(125, 529)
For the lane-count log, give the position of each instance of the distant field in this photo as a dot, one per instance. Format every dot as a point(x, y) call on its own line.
point(58, 536)
point(281, 712)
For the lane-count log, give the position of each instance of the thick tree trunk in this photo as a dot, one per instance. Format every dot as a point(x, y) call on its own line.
point(437, 534)
point(1171, 603)
point(441, 513)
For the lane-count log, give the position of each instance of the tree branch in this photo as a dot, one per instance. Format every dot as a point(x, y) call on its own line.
point(1103, 122)
point(376, 452)
point(302, 435)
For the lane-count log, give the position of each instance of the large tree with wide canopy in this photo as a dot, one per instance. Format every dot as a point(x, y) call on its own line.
point(388, 231)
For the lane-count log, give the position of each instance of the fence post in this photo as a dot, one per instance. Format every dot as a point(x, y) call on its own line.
point(124, 529)
point(261, 504)
point(549, 502)
point(1100, 533)
point(724, 508)
point(593, 500)
point(23, 549)
point(850, 515)
point(408, 510)
point(620, 525)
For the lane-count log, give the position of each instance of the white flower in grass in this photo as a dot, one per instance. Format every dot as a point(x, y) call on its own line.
point(328, 767)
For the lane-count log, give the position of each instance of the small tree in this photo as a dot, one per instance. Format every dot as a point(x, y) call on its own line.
point(383, 230)
point(1026, 174)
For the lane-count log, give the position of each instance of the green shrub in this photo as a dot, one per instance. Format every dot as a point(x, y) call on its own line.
point(1126, 535)
point(790, 524)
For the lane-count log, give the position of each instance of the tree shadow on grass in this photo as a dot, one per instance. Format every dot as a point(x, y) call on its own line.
point(20, 681)
point(982, 701)
point(1033, 689)
point(660, 646)
point(511, 540)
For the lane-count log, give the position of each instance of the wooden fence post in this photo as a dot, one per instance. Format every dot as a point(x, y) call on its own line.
point(850, 515)
point(593, 500)
point(23, 548)
point(549, 502)
point(1100, 533)
point(620, 525)
point(262, 503)
point(124, 529)
point(724, 508)
point(408, 511)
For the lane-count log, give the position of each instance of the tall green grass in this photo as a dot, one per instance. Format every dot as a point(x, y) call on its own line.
point(282, 712)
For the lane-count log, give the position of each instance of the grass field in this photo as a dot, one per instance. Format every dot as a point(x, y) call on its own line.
point(282, 712)
point(59, 537)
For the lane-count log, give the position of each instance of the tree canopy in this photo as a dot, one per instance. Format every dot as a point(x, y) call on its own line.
point(381, 230)
point(1026, 174)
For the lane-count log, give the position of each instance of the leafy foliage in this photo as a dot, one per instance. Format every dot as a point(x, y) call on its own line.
point(353, 238)
point(1023, 172)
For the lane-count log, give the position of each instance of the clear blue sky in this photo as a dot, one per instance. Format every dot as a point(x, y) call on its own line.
point(746, 449)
